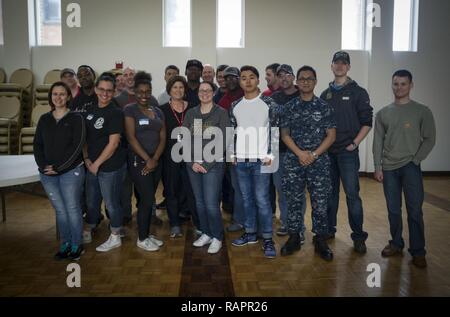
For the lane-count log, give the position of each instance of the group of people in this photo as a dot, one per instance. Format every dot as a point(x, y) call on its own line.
point(96, 142)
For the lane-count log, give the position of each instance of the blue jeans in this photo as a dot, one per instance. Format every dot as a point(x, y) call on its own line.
point(64, 192)
point(207, 191)
point(238, 201)
point(345, 167)
point(254, 186)
point(106, 185)
point(409, 179)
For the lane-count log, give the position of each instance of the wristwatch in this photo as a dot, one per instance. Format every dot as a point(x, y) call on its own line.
point(314, 154)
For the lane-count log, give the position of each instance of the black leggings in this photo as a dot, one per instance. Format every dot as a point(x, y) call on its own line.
point(178, 190)
point(146, 187)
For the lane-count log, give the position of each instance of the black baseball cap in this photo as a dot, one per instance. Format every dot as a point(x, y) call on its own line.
point(341, 56)
point(285, 68)
point(194, 62)
point(66, 71)
point(231, 71)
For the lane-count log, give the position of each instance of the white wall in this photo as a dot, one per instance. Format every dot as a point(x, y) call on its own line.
point(297, 32)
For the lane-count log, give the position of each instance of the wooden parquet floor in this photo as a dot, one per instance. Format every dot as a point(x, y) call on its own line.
point(27, 268)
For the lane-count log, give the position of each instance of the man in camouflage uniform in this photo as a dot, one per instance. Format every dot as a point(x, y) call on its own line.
point(308, 128)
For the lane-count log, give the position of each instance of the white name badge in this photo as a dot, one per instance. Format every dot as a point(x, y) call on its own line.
point(345, 98)
point(143, 122)
point(89, 117)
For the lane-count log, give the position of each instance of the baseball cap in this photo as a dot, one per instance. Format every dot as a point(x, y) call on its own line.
point(66, 71)
point(231, 71)
point(341, 56)
point(285, 68)
point(194, 62)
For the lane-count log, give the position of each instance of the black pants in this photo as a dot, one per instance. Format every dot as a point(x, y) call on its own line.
point(178, 190)
point(145, 186)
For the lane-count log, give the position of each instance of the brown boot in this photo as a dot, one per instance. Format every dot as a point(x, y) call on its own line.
point(391, 250)
point(419, 261)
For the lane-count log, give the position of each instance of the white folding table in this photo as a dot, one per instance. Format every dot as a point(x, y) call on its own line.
point(16, 170)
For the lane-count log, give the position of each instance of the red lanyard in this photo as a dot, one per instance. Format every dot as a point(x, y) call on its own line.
point(180, 122)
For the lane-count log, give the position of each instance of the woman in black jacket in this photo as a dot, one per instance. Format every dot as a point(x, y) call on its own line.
point(58, 144)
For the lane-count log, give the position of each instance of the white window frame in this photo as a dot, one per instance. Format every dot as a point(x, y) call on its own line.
point(242, 44)
point(413, 29)
point(34, 22)
point(366, 31)
point(2, 38)
point(164, 26)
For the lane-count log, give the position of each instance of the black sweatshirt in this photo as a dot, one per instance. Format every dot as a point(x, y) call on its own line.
point(352, 109)
point(59, 143)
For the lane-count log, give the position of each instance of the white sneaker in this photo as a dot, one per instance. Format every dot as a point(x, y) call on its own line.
point(215, 246)
point(158, 242)
point(113, 241)
point(147, 245)
point(87, 236)
point(202, 241)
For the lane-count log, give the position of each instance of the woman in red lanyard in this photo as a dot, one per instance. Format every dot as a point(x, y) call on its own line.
point(178, 191)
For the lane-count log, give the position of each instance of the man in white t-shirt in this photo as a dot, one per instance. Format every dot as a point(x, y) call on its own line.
point(252, 116)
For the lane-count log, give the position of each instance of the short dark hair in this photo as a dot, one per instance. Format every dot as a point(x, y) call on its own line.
point(305, 69)
point(172, 67)
point(50, 92)
point(403, 73)
point(172, 82)
point(106, 76)
point(250, 68)
point(142, 78)
point(208, 83)
point(221, 68)
point(88, 67)
point(273, 67)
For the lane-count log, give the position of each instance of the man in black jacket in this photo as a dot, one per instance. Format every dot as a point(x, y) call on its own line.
point(354, 121)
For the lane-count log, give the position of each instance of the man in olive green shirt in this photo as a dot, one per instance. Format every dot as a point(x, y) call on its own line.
point(404, 136)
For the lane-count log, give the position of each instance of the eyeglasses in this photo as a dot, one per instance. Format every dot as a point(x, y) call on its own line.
point(103, 91)
point(205, 91)
point(306, 80)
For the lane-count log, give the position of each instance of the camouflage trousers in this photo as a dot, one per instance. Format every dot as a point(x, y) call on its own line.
point(316, 178)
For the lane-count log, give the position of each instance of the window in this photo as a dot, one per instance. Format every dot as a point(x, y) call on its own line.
point(353, 24)
point(1, 24)
point(406, 17)
point(177, 23)
point(48, 22)
point(230, 23)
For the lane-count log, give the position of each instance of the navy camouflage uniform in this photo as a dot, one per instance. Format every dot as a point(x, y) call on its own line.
point(307, 123)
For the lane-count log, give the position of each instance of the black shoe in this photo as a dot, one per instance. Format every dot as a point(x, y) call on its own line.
point(359, 246)
point(321, 247)
point(162, 205)
point(156, 221)
point(63, 252)
point(292, 244)
point(75, 255)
